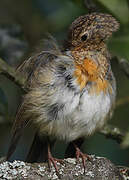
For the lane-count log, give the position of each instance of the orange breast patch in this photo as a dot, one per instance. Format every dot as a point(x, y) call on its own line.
point(88, 71)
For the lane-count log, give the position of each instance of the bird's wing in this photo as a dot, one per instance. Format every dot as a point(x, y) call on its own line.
point(46, 47)
point(31, 69)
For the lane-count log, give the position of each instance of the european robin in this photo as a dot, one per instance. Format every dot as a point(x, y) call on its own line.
point(70, 92)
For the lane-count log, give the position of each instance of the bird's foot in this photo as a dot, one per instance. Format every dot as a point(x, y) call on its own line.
point(52, 160)
point(83, 156)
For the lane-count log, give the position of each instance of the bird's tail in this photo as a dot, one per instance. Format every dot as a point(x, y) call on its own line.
point(18, 127)
point(39, 149)
point(14, 141)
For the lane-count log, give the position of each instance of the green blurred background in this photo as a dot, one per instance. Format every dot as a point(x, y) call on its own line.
point(22, 25)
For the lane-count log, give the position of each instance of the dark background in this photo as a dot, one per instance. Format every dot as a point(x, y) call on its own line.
point(22, 25)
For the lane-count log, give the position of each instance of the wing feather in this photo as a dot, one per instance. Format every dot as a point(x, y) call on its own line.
point(30, 69)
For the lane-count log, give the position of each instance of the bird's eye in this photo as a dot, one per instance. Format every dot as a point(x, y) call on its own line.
point(84, 37)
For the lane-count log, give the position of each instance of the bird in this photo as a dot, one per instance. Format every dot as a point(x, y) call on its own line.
point(70, 91)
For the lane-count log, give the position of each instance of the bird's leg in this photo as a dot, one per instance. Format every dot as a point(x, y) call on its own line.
point(73, 150)
point(70, 150)
point(52, 160)
point(81, 155)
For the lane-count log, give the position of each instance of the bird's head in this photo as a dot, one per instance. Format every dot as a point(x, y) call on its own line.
point(92, 29)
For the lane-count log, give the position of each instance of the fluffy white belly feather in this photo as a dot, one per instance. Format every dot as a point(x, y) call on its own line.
point(80, 116)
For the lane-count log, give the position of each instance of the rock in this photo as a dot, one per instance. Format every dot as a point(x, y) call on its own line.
point(98, 168)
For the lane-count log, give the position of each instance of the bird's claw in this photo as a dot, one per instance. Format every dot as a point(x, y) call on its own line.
point(83, 156)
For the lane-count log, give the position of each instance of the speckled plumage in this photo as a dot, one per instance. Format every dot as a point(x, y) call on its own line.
point(70, 93)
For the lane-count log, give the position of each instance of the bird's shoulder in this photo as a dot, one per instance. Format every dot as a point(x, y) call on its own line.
point(42, 65)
